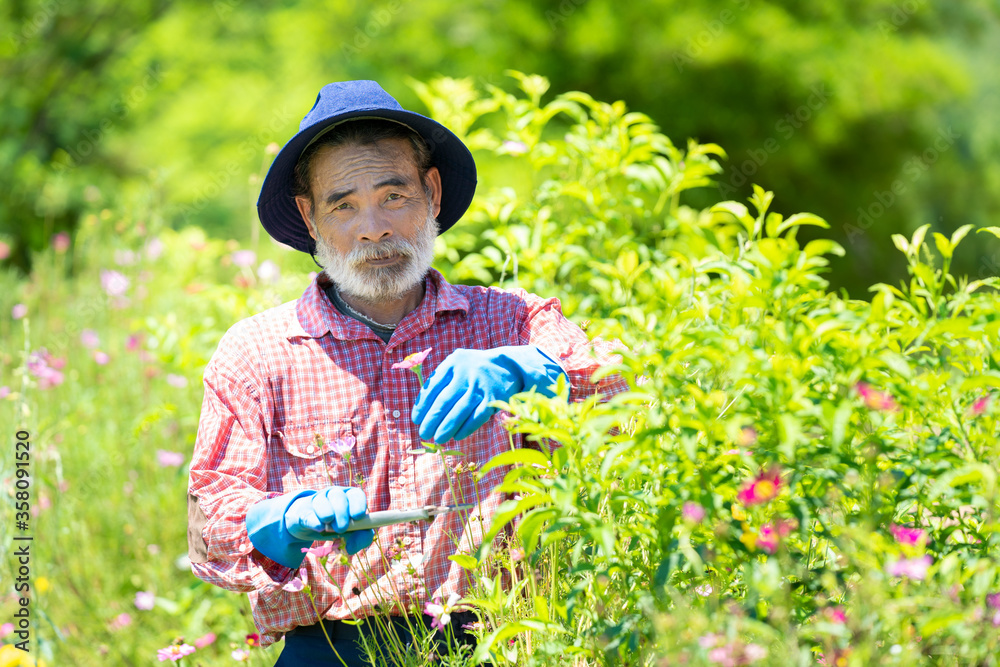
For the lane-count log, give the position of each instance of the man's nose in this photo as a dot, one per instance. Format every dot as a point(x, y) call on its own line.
point(374, 226)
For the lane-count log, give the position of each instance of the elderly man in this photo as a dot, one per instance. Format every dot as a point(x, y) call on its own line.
point(306, 424)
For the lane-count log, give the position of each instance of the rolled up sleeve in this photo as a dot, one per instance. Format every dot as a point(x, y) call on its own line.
point(544, 325)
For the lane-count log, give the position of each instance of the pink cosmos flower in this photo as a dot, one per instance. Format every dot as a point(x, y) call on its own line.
point(268, 272)
point(343, 446)
point(132, 342)
point(762, 488)
point(18, 311)
point(909, 536)
point(693, 512)
point(876, 400)
point(979, 407)
point(114, 283)
point(101, 357)
point(320, 551)
point(240, 655)
point(4, 392)
point(911, 568)
point(89, 338)
point(169, 459)
point(6, 629)
point(441, 613)
point(767, 538)
point(119, 622)
point(514, 147)
point(253, 639)
point(174, 652)
point(178, 381)
point(414, 359)
point(4, 250)
point(734, 653)
point(145, 600)
point(835, 615)
point(205, 640)
point(60, 242)
point(243, 258)
point(993, 601)
point(125, 257)
point(294, 585)
point(154, 248)
point(516, 555)
point(46, 368)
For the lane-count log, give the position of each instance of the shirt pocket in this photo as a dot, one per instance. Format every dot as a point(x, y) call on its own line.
point(316, 455)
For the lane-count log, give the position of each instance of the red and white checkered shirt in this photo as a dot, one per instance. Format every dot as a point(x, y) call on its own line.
point(288, 386)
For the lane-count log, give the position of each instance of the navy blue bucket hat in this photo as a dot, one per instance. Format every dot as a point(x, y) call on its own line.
point(346, 100)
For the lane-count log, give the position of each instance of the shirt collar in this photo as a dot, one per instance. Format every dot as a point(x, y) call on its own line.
point(315, 316)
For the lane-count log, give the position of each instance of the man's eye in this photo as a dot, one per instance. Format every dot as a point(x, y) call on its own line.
point(394, 195)
point(341, 207)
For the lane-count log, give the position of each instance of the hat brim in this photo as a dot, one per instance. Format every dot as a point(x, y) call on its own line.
point(280, 215)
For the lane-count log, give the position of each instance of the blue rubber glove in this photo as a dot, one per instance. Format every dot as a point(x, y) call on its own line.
point(280, 528)
point(455, 400)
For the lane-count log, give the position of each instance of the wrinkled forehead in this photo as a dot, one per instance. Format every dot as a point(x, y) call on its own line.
point(357, 163)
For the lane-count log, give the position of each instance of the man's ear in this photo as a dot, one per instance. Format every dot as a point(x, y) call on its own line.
point(305, 210)
point(432, 180)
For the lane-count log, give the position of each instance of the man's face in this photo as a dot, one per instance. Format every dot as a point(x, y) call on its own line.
point(372, 219)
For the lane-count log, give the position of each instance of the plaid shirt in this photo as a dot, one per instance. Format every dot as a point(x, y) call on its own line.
point(290, 385)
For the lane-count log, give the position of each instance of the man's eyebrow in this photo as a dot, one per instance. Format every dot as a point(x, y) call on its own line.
point(338, 195)
point(390, 182)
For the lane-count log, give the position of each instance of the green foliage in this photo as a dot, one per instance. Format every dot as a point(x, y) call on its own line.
point(740, 360)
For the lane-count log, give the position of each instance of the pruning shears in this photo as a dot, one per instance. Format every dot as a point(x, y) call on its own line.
point(390, 517)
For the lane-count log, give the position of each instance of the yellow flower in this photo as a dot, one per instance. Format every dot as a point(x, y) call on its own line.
point(739, 513)
point(10, 656)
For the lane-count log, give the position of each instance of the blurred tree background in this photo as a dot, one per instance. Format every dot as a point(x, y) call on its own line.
point(877, 115)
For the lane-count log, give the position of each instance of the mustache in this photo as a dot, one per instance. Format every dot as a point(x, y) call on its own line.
point(381, 250)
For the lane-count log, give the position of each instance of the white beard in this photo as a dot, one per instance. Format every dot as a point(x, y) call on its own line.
point(354, 278)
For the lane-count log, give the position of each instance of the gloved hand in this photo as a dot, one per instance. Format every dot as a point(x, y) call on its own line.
point(455, 400)
point(281, 527)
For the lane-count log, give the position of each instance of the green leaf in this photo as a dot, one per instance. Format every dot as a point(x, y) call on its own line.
point(995, 231)
point(522, 456)
point(918, 238)
point(823, 247)
point(803, 219)
point(465, 561)
point(738, 211)
point(901, 243)
point(960, 234)
point(943, 245)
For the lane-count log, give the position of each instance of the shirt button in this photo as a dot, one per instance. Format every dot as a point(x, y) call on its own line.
point(311, 449)
point(395, 413)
